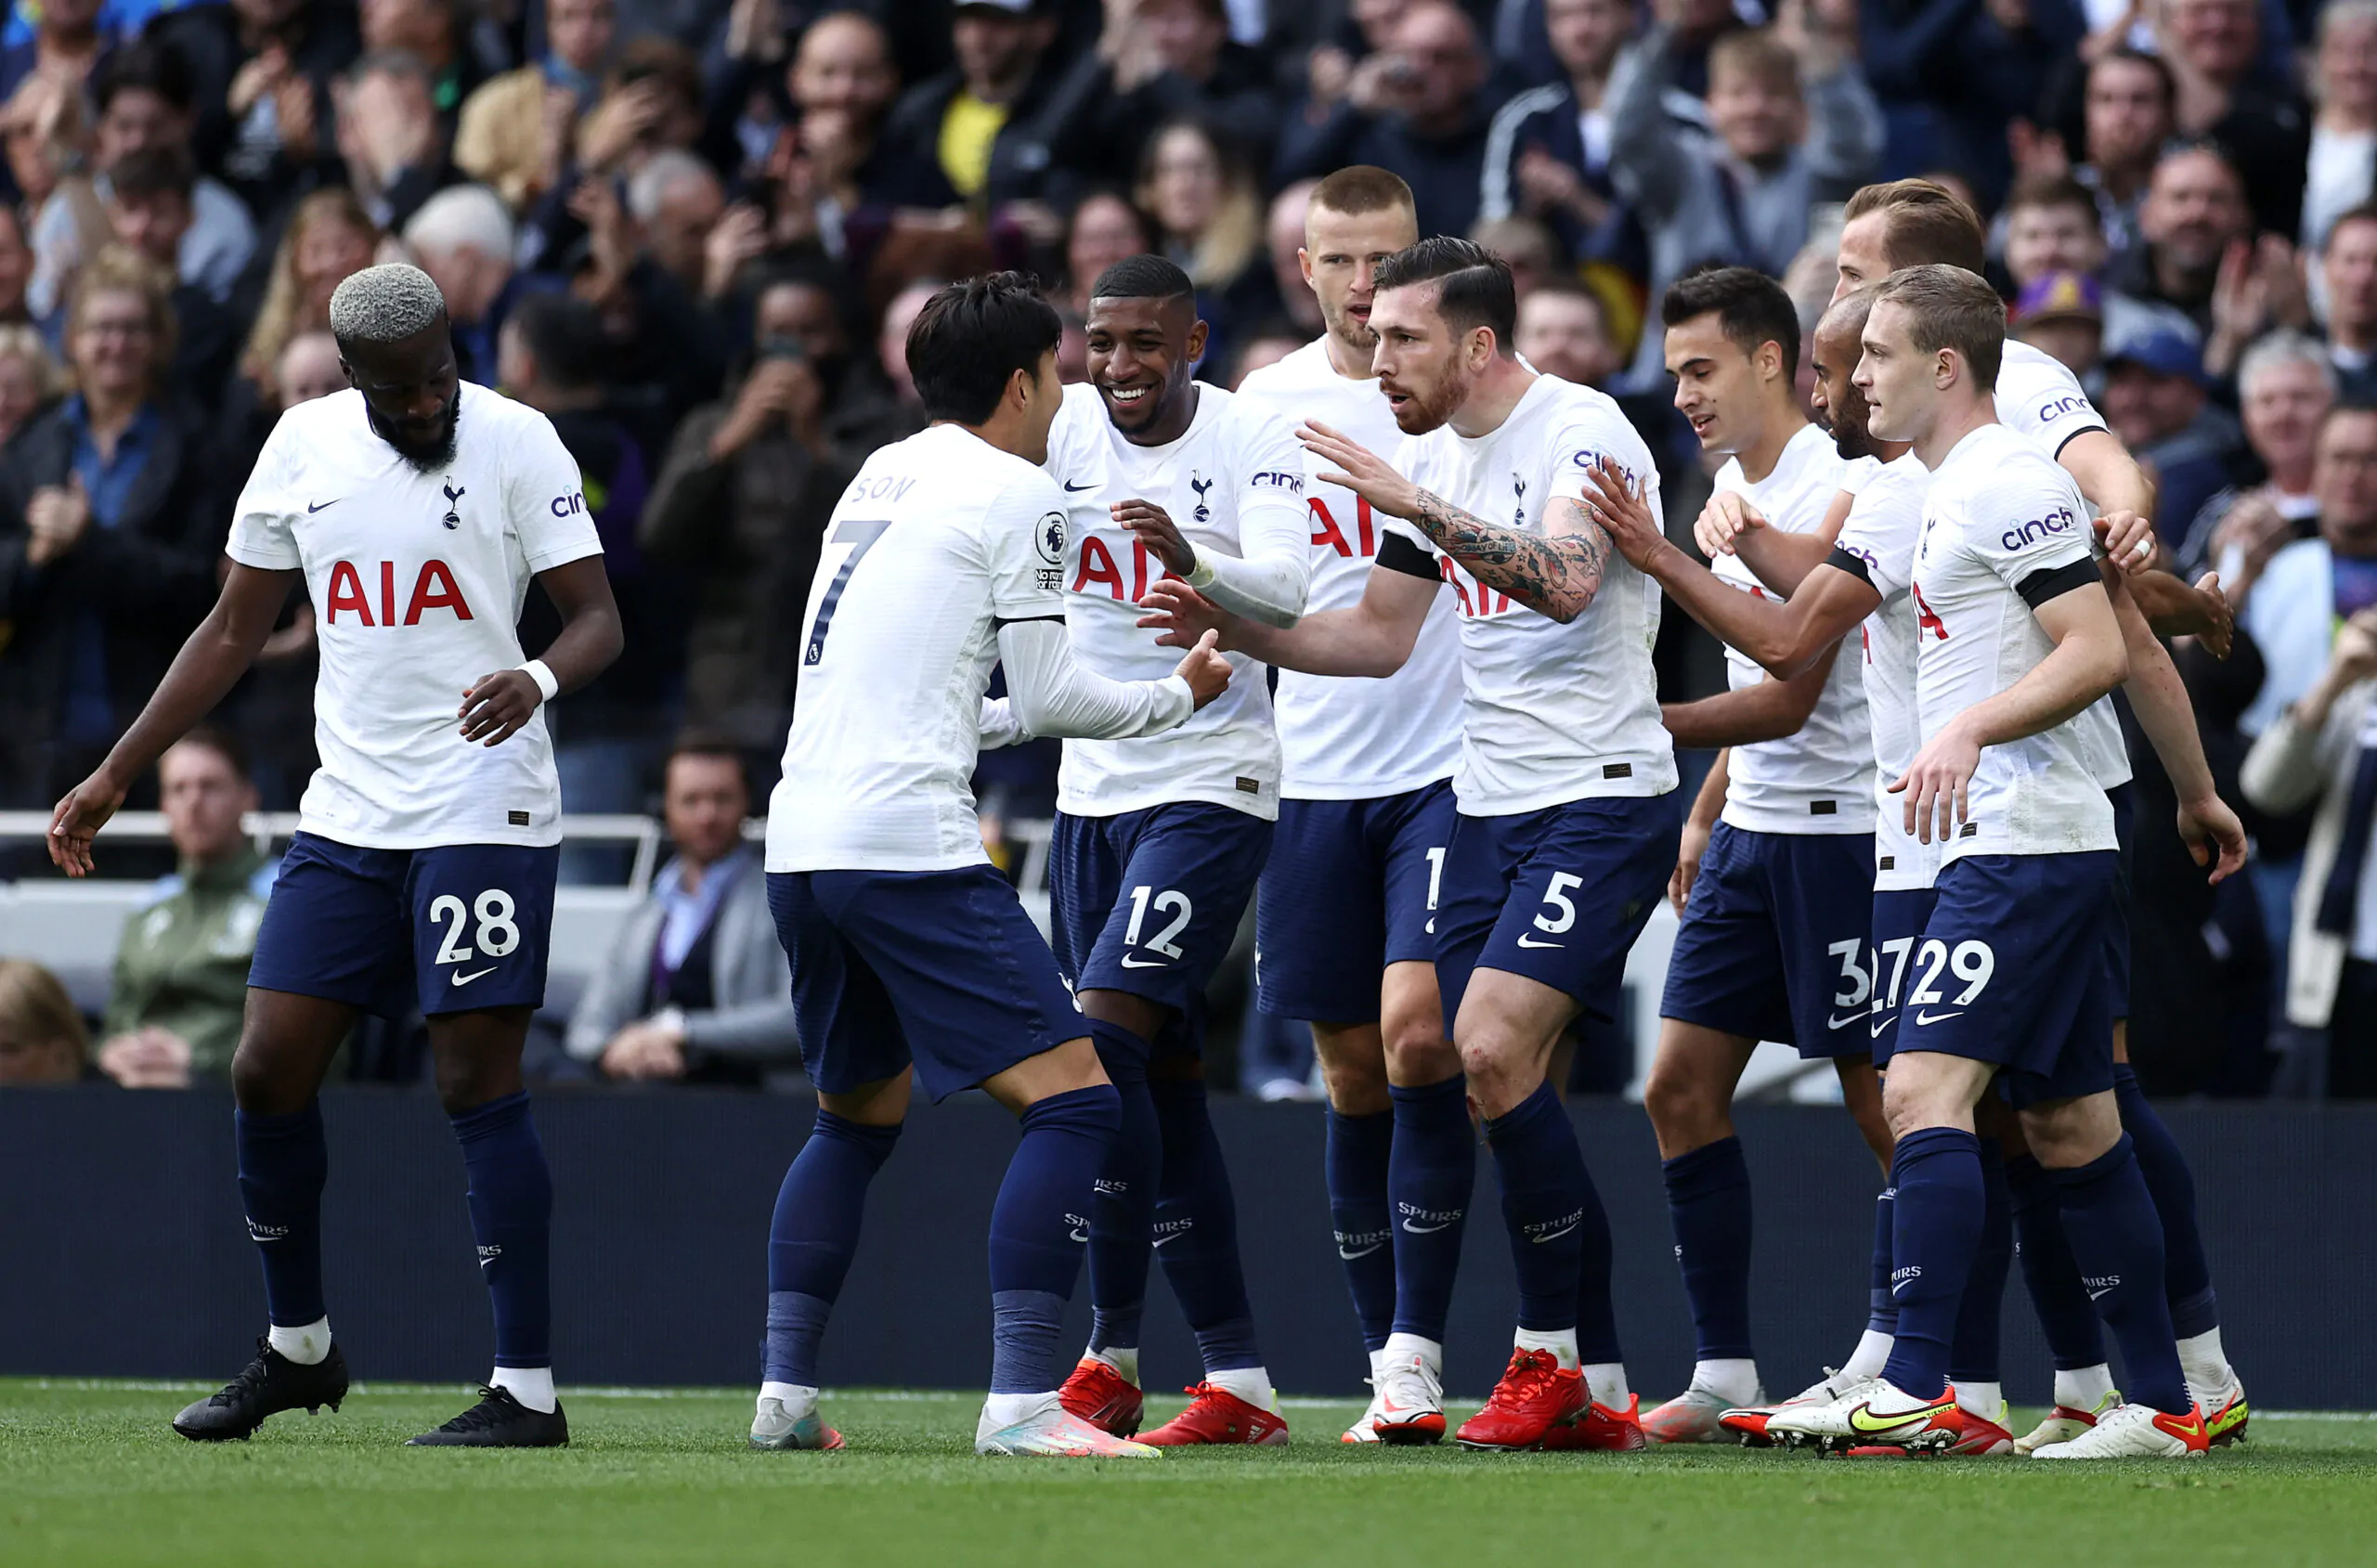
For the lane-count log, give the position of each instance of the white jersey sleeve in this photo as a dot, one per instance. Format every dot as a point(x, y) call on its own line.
point(545, 501)
point(264, 522)
point(1269, 578)
point(2038, 397)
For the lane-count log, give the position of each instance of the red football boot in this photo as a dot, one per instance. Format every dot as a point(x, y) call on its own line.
point(1102, 1396)
point(1533, 1406)
point(1218, 1415)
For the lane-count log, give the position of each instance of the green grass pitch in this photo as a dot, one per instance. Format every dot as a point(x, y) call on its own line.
point(90, 1474)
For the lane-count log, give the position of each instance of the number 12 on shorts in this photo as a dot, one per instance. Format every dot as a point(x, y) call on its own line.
point(1170, 900)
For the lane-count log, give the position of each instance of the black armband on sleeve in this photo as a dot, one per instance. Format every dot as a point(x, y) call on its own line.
point(1398, 554)
point(1852, 563)
point(1000, 622)
point(2054, 582)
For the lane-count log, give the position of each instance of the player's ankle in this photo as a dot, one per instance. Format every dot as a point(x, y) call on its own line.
point(305, 1344)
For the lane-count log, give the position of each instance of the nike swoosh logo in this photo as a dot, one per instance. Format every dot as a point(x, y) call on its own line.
point(1081, 1235)
point(1859, 1421)
point(1936, 1017)
point(1364, 1252)
point(1071, 486)
point(1130, 962)
point(473, 975)
point(1166, 1240)
point(1878, 1025)
point(1426, 1230)
point(1530, 941)
point(317, 506)
point(1832, 1022)
point(2093, 1295)
point(1556, 1235)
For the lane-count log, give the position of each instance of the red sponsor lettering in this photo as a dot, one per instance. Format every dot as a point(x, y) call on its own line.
point(432, 588)
point(1096, 565)
point(436, 590)
point(346, 593)
point(1328, 533)
point(1923, 619)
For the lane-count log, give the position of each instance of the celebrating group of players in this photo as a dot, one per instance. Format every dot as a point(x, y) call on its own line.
point(1456, 815)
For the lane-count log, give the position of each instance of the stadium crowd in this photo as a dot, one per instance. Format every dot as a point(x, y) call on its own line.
point(694, 234)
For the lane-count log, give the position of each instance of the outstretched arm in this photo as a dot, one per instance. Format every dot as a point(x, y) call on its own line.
point(1554, 573)
point(2165, 711)
point(1050, 694)
point(1373, 638)
point(1766, 711)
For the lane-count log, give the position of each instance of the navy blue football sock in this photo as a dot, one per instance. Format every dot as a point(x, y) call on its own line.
point(1544, 1187)
point(512, 1215)
point(1937, 1225)
point(1196, 1228)
point(1708, 1206)
point(1037, 1229)
point(813, 1236)
point(2117, 1242)
point(1121, 1214)
point(1429, 1178)
point(1596, 1306)
point(1881, 1307)
point(2186, 1272)
point(2074, 1336)
point(283, 1163)
point(1973, 1356)
point(1360, 1154)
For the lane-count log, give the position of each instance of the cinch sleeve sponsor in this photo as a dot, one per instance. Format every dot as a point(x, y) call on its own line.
point(545, 499)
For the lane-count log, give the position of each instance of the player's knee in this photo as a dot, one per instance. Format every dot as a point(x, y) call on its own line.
point(1357, 1084)
point(1682, 1107)
point(465, 1082)
point(1416, 1050)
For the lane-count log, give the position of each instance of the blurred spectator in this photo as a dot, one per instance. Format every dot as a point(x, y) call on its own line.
point(1169, 60)
point(1532, 253)
point(16, 267)
point(2193, 213)
point(2156, 400)
point(694, 988)
point(2315, 584)
point(515, 132)
point(390, 138)
point(831, 163)
point(65, 45)
point(2343, 157)
point(1564, 331)
point(740, 506)
point(2319, 752)
point(1208, 214)
point(430, 32)
point(42, 1038)
point(652, 99)
point(265, 71)
point(892, 343)
point(2127, 111)
point(2052, 223)
point(149, 203)
point(1795, 124)
point(330, 238)
point(551, 355)
point(1268, 346)
point(2285, 388)
point(984, 132)
point(676, 202)
point(1283, 239)
point(107, 548)
point(1104, 227)
point(2062, 314)
point(44, 127)
point(2214, 48)
point(1951, 78)
point(30, 379)
point(1548, 152)
point(181, 964)
point(147, 102)
point(1420, 107)
point(2349, 267)
point(463, 238)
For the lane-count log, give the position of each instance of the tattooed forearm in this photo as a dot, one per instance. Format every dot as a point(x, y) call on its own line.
point(1556, 575)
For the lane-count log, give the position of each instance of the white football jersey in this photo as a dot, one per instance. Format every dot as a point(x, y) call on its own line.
point(940, 537)
point(417, 579)
point(2001, 516)
point(1551, 713)
point(1819, 780)
point(1881, 533)
point(1345, 738)
point(2037, 395)
point(1234, 484)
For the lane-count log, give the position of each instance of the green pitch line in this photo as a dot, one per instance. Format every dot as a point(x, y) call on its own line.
point(90, 1474)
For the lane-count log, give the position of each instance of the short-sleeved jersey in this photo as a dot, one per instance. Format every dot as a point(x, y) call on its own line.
point(1880, 535)
point(1356, 739)
point(2039, 398)
point(2003, 525)
point(1551, 713)
point(417, 578)
point(1233, 483)
point(939, 538)
point(1820, 778)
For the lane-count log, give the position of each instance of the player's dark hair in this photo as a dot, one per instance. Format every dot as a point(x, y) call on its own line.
point(1360, 188)
point(565, 334)
point(222, 743)
point(972, 337)
point(1143, 277)
point(1852, 308)
point(1927, 224)
point(145, 66)
point(1474, 284)
point(154, 170)
point(1750, 308)
point(1951, 307)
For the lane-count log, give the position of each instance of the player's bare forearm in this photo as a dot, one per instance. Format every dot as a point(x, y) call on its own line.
point(1766, 711)
point(2106, 473)
point(1710, 804)
point(2160, 699)
point(1787, 638)
point(1351, 642)
point(1783, 561)
point(591, 634)
point(1556, 574)
point(2172, 607)
point(209, 665)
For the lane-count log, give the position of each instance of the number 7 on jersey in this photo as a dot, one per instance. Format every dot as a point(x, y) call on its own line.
point(859, 534)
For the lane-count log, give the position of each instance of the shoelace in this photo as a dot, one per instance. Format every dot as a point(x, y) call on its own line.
point(1529, 1374)
point(494, 1407)
point(251, 1378)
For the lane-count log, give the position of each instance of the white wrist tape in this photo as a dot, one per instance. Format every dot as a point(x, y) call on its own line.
point(548, 684)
